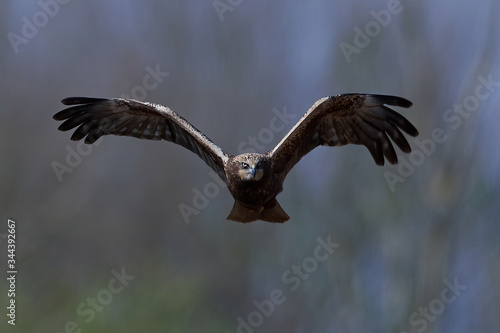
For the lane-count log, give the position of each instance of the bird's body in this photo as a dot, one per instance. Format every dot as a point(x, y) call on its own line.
point(254, 186)
point(250, 179)
point(254, 180)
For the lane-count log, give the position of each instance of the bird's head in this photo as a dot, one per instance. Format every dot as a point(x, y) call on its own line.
point(251, 166)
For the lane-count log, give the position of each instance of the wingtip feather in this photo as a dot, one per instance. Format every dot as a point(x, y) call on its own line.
point(391, 100)
point(81, 100)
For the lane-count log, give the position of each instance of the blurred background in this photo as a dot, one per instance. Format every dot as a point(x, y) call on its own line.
point(116, 237)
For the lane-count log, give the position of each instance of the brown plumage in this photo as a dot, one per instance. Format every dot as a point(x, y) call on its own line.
point(253, 179)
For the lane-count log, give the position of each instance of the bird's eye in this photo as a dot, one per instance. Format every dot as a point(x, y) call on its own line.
point(244, 165)
point(259, 164)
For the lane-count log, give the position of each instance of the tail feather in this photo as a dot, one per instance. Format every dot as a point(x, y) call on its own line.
point(271, 212)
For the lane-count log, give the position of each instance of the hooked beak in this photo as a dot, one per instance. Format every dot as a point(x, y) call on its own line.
point(253, 171)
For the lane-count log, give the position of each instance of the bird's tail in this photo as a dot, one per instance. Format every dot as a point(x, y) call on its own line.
point(271, 212)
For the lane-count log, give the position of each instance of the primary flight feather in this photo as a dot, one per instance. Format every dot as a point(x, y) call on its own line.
point(254, 180)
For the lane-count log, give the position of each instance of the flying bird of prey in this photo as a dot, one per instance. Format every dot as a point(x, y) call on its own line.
point(253, 179)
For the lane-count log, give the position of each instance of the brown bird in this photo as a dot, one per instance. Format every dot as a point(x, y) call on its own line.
point(253, 179)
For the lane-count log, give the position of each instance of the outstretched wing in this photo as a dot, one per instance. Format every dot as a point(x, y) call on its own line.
point(344, 119)
point(96, 117)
